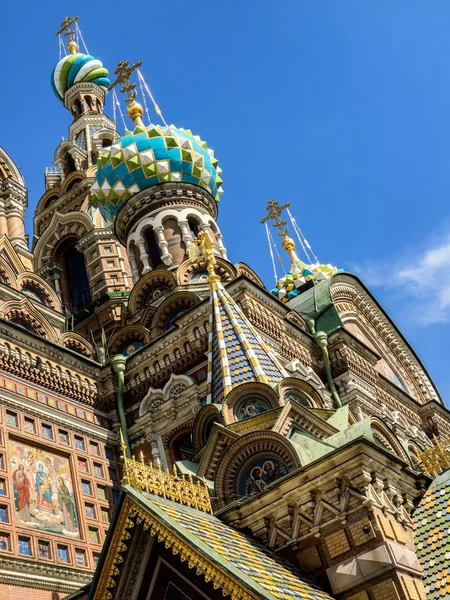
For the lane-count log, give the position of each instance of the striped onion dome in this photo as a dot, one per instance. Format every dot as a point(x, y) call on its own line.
point(76, 68)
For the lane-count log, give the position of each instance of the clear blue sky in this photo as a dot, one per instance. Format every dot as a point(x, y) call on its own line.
point(341, 108)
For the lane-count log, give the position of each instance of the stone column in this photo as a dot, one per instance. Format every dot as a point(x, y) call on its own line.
point(133, 264)
point(222, 249)
point(166, 257)
point(144, 257)
point(156, 456)
point(185, 233)
point(55, 277)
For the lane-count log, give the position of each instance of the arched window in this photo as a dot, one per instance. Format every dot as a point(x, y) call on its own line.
point(152, 247)
point(78, 293)
point(193, 227)
point(297, 396)
point(88, 100)
point(250, 407)
point(182, 448)
point(71, 167)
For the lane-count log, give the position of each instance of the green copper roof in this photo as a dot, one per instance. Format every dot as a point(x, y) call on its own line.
point(317, 308)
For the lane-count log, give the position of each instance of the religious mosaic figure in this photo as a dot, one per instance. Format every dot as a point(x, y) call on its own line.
point(263, 473)
point(67, 506)
point(271, 472)
point(251, 408)
point(22, 493)
point(257, 483)
point(43, 490)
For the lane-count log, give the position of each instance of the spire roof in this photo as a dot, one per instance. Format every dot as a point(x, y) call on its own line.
point(236, 353)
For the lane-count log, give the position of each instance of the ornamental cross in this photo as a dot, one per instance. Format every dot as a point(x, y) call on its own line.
point(66, 28)
point(274, 211)
point(123, 73)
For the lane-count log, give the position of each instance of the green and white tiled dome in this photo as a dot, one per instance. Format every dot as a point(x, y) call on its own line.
point(290, 286)
point(150, 156)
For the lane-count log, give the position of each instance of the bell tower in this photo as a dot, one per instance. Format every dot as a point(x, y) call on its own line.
point(160, 185)
point(74, 247)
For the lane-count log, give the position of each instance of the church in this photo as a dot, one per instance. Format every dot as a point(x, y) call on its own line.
point(172, 429)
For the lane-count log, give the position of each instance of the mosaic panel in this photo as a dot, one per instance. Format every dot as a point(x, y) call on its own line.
point(43, 490)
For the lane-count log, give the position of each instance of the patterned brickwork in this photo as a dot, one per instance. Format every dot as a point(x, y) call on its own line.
point(337, 543)
point(392, 530)
point(385, 590)
point(361, 531)
point(359, 596)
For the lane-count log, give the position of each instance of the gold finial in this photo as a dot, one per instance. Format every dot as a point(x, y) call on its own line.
point(123, 72)
point(69, 33)
point(201, 250)
point(274, 211)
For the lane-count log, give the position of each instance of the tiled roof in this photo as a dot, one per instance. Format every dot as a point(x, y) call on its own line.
point(236, 353)
point(264, 573)
point(432, 537)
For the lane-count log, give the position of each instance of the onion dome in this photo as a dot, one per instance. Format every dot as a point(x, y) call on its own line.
point(149, 156)
point(299, 275)
point(76, 68)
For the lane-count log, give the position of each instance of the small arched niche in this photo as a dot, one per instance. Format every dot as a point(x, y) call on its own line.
point(74, 281)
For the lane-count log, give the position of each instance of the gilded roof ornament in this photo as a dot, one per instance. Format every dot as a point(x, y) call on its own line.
point(124, 72)
point(435, 460)
point(175, 487)
point(201, 250)
point(300, 272)
point(69, 33)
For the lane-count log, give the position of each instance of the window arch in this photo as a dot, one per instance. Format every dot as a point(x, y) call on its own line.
point(194, 227)
point(74, 281)
point(71, 167)
point(182, 447)
point(152, 247)
point(297, 396)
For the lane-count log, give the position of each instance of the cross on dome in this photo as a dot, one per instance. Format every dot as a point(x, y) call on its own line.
point(301, 274)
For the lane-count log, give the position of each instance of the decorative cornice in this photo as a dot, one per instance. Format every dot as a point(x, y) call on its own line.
point(93, 236)
point(345, 288)
point(41, 576)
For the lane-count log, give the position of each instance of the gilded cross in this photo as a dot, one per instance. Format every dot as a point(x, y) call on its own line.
point(66, 28)
point(274, 211)
point(123, 73)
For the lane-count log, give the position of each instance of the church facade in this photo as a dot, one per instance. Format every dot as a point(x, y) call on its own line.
point(170, 428)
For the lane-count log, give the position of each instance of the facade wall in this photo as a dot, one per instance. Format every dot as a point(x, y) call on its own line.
point(67, 468)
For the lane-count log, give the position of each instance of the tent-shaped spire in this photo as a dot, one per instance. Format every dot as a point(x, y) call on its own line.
point(236, 353)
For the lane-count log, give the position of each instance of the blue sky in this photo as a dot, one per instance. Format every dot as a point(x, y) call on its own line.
point(341, 108)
